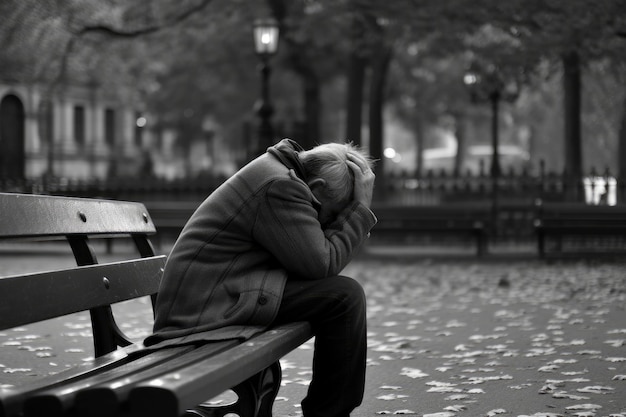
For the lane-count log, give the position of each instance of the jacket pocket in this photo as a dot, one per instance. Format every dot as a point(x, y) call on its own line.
point(241, 309)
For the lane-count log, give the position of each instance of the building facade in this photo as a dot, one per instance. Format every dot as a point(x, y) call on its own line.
point(80, 132)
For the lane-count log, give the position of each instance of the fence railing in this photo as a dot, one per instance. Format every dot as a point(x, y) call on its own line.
point(430, 189)
point(513, 196)
point(443, 188)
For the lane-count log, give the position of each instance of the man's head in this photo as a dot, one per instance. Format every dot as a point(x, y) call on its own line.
point(330, 178)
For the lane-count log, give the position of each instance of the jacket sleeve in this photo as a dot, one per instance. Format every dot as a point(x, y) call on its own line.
point(287, 226)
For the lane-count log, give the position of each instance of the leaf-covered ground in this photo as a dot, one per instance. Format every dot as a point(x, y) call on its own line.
point(446, 338)
point(470, 338)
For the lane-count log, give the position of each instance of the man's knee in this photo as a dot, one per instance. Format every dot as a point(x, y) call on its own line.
point(350, 290)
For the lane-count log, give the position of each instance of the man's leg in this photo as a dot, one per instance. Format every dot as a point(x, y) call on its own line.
point(335, 306)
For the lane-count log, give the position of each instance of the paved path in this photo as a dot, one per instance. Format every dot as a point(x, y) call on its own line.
point(447, 337)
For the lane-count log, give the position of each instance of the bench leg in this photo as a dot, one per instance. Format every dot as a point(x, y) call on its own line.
point(541, 246)
point(559, 244)
point(481, 243)
point(256, 397)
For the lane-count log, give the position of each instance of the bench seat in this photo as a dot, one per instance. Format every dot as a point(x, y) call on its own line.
point(166, 382)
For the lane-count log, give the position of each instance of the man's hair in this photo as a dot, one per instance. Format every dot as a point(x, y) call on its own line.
point(328, 161)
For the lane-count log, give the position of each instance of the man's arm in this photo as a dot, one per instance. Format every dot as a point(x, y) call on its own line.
point(288, 227)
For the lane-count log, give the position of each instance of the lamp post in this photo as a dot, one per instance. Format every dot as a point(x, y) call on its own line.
point(486, 83)
point(265, 44)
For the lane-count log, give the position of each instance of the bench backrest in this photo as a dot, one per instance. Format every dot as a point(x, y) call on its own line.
point(444, 215)
point(581, 213)
point(25, 215)
point(33, 297)
point(40, 296)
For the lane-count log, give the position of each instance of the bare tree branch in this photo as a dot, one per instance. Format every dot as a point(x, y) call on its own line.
point(110, 31)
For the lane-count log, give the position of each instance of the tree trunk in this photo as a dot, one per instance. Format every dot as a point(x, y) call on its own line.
point(419, 145)
point(303, 65)
point(312, 106)
point(572, 106)
point(357, 64)
point(621, 157)
point(380, 66)
point(461, 149)
point(354, 105)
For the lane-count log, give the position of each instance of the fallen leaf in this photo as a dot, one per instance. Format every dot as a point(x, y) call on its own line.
point(584, 407)
point(391, 397)
point(413, 373)
point(548, 368)
point(444, 389)
point(390, 387)
point(456, 397)
point(440, 384)
point(476, 391)
point(455, 408)
point(564, 394)
point(596, 389)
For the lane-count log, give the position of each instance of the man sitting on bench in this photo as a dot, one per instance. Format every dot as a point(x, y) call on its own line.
point(266, 248)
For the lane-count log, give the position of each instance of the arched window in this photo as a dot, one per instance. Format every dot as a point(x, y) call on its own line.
point(12, 153)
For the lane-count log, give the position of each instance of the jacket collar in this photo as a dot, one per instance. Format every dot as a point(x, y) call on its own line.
point(287, 152)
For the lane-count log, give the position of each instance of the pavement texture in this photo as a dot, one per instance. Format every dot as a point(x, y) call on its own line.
point(448, 336)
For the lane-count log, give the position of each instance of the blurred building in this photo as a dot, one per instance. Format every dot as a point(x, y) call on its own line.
point(81, 132)
point(86, 132)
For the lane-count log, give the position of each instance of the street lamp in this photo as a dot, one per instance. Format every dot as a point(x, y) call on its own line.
point(265, 44)
point(487, 83)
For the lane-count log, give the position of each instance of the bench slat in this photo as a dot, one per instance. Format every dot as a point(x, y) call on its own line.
point(50, 216)
point(577, 219)
point(35, 297)
point(57, 400)
point(12, 398)
point(468, 220)
point(171, 394)
point(108, 393)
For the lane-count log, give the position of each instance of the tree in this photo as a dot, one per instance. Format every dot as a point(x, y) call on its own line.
point(190, 58)
point(577, 34)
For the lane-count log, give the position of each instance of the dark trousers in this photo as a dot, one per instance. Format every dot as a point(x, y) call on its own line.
point(335, 307)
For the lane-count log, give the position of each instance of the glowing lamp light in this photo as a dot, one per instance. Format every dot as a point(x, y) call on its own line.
point(265, 37)
point(389, 153)
point(470, 79)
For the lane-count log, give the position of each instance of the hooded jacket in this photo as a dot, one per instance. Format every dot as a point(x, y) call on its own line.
point(226, 273)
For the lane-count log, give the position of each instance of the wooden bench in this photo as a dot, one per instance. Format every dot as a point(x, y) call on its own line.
point(559, 220)
point(124, 378)
point(461, 220)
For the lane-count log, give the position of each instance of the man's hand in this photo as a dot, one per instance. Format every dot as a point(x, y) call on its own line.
point(363, 179)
